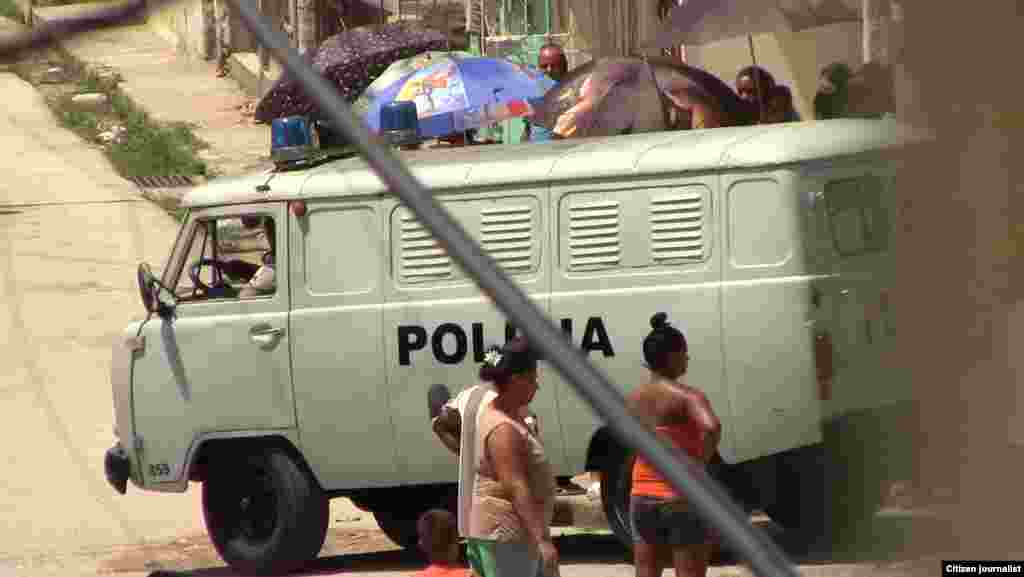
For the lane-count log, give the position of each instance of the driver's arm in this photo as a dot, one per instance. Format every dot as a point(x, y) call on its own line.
point(261, 284)
point(239, 269)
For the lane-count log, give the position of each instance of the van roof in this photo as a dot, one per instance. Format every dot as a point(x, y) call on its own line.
point(521, 164)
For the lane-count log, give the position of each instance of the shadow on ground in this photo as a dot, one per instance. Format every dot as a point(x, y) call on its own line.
point(885, 540)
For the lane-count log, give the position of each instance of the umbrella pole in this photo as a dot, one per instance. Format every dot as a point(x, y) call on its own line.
point(757, 80)
point(261, 52)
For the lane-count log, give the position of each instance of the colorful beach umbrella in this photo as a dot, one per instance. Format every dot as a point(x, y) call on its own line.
point(458, 93)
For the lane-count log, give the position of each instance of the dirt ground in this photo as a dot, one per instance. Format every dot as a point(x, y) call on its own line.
point(196, 552)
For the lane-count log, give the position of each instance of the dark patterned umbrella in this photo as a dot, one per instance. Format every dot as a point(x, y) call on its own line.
point(612, 96)
point(351, 60)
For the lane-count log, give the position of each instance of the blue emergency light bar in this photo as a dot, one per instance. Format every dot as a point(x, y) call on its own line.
point(399, 123)
point(297, 141)
point(293, 139)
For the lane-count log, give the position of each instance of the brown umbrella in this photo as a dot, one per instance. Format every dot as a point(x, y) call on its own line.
point(351, 60)
point(613, 96)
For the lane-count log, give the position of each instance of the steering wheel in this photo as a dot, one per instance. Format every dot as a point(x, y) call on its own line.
point(219, 289)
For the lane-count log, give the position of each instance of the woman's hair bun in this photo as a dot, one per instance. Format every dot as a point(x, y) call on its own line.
point(659, 321)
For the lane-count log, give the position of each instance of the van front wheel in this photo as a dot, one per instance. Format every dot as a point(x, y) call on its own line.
point(264, 514)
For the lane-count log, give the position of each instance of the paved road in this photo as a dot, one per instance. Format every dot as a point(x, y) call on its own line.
point(71, 234)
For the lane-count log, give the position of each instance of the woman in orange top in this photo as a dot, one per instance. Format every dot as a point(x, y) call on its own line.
point(681, 415)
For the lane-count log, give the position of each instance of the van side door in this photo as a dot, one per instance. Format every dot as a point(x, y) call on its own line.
point(345, 418)
point(221, 363)
point(438, 324)
point(626, 250)
point(767, 315)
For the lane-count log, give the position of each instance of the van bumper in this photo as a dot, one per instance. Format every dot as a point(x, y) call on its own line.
point(118, 468)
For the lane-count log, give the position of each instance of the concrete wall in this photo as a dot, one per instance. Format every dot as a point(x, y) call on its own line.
point(184, 24)
point(793, 58)
point(188, 25)
point(603, 28)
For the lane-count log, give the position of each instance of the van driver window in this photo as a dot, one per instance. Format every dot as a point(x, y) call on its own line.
point(229, 258)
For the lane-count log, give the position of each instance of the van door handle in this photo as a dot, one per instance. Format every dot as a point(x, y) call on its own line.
point(265, 334)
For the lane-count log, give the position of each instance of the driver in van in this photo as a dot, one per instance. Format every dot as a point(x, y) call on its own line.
point(258, 280)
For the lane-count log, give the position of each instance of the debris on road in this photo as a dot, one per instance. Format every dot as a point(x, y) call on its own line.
point(114, 134)
point(91, 101)
point(53, 75)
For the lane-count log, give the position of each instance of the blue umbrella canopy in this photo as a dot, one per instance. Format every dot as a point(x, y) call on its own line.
point(456, 92)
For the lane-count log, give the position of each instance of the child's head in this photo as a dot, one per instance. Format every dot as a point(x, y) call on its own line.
point(439, 537)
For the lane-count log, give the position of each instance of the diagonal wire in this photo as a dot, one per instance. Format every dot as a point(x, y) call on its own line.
point(711, 502)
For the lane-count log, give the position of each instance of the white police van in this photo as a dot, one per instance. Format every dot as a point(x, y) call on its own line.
point(769, 246)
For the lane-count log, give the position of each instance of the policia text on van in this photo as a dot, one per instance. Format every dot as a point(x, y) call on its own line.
point(414, 337)
point(768, 243)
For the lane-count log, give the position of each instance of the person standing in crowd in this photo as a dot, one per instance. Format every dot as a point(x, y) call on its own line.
point(455, 426)
point(514, 497)
point(780, 106)
point(439, 541)
point(553, 62)
point(753, 85)
point(222, 34)
point(681, 415)
point(832, 98)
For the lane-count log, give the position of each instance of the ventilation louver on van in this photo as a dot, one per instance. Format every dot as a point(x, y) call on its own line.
point(507, 235)
point(422, 257)
point(677, 227)
point(594, 234)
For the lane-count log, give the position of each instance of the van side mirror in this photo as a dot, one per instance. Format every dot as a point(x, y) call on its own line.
point(150, 289)
point(146, 280)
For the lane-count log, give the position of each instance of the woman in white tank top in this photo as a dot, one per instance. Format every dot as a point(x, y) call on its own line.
point(514, 488)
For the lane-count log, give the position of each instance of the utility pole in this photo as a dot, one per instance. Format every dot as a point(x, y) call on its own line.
point(875, 15)
point(306, 26)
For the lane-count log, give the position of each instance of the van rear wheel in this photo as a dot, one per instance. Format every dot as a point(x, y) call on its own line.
point(616, 484)
point(264, 514)
point(822, 498)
